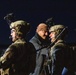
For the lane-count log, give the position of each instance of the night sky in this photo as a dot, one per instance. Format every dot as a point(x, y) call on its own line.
point(37, 11)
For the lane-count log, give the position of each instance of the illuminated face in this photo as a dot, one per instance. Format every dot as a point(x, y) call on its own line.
point(52, 36)
point(43, 34)
point(13, 35)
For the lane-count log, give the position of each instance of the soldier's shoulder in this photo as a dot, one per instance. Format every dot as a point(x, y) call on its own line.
point(60, 45)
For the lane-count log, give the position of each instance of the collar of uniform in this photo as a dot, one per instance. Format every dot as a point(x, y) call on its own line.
point(59, 41)
point(20, 40)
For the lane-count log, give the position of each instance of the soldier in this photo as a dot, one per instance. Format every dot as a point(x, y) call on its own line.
point(59, 51)
point(17, 58)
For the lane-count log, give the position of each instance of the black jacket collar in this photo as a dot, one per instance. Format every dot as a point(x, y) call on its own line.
point(43, 41)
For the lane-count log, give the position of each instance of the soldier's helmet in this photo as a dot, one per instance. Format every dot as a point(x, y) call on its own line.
point(58, 29)
point(21, 27)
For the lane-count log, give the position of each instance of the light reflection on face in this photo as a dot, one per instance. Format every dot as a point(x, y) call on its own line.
point(13, 35)
point(52, 36)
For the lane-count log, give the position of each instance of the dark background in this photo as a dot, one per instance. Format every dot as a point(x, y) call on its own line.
point(36, 11)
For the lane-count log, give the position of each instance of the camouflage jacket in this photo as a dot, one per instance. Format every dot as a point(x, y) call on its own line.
point(59, 57)
point(15, 59)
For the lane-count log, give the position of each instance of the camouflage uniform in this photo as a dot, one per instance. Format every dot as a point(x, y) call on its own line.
point(15, 60)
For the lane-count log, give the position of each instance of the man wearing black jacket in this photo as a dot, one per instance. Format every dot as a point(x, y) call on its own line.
point(39, 40)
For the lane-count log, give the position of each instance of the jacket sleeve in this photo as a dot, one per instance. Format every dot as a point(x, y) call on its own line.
point(7, 58)
point(57, 56)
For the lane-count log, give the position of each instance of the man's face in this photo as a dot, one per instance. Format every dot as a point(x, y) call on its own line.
point(52, 36)
point(43, 34)
point(14, 35)
point(42, 30)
